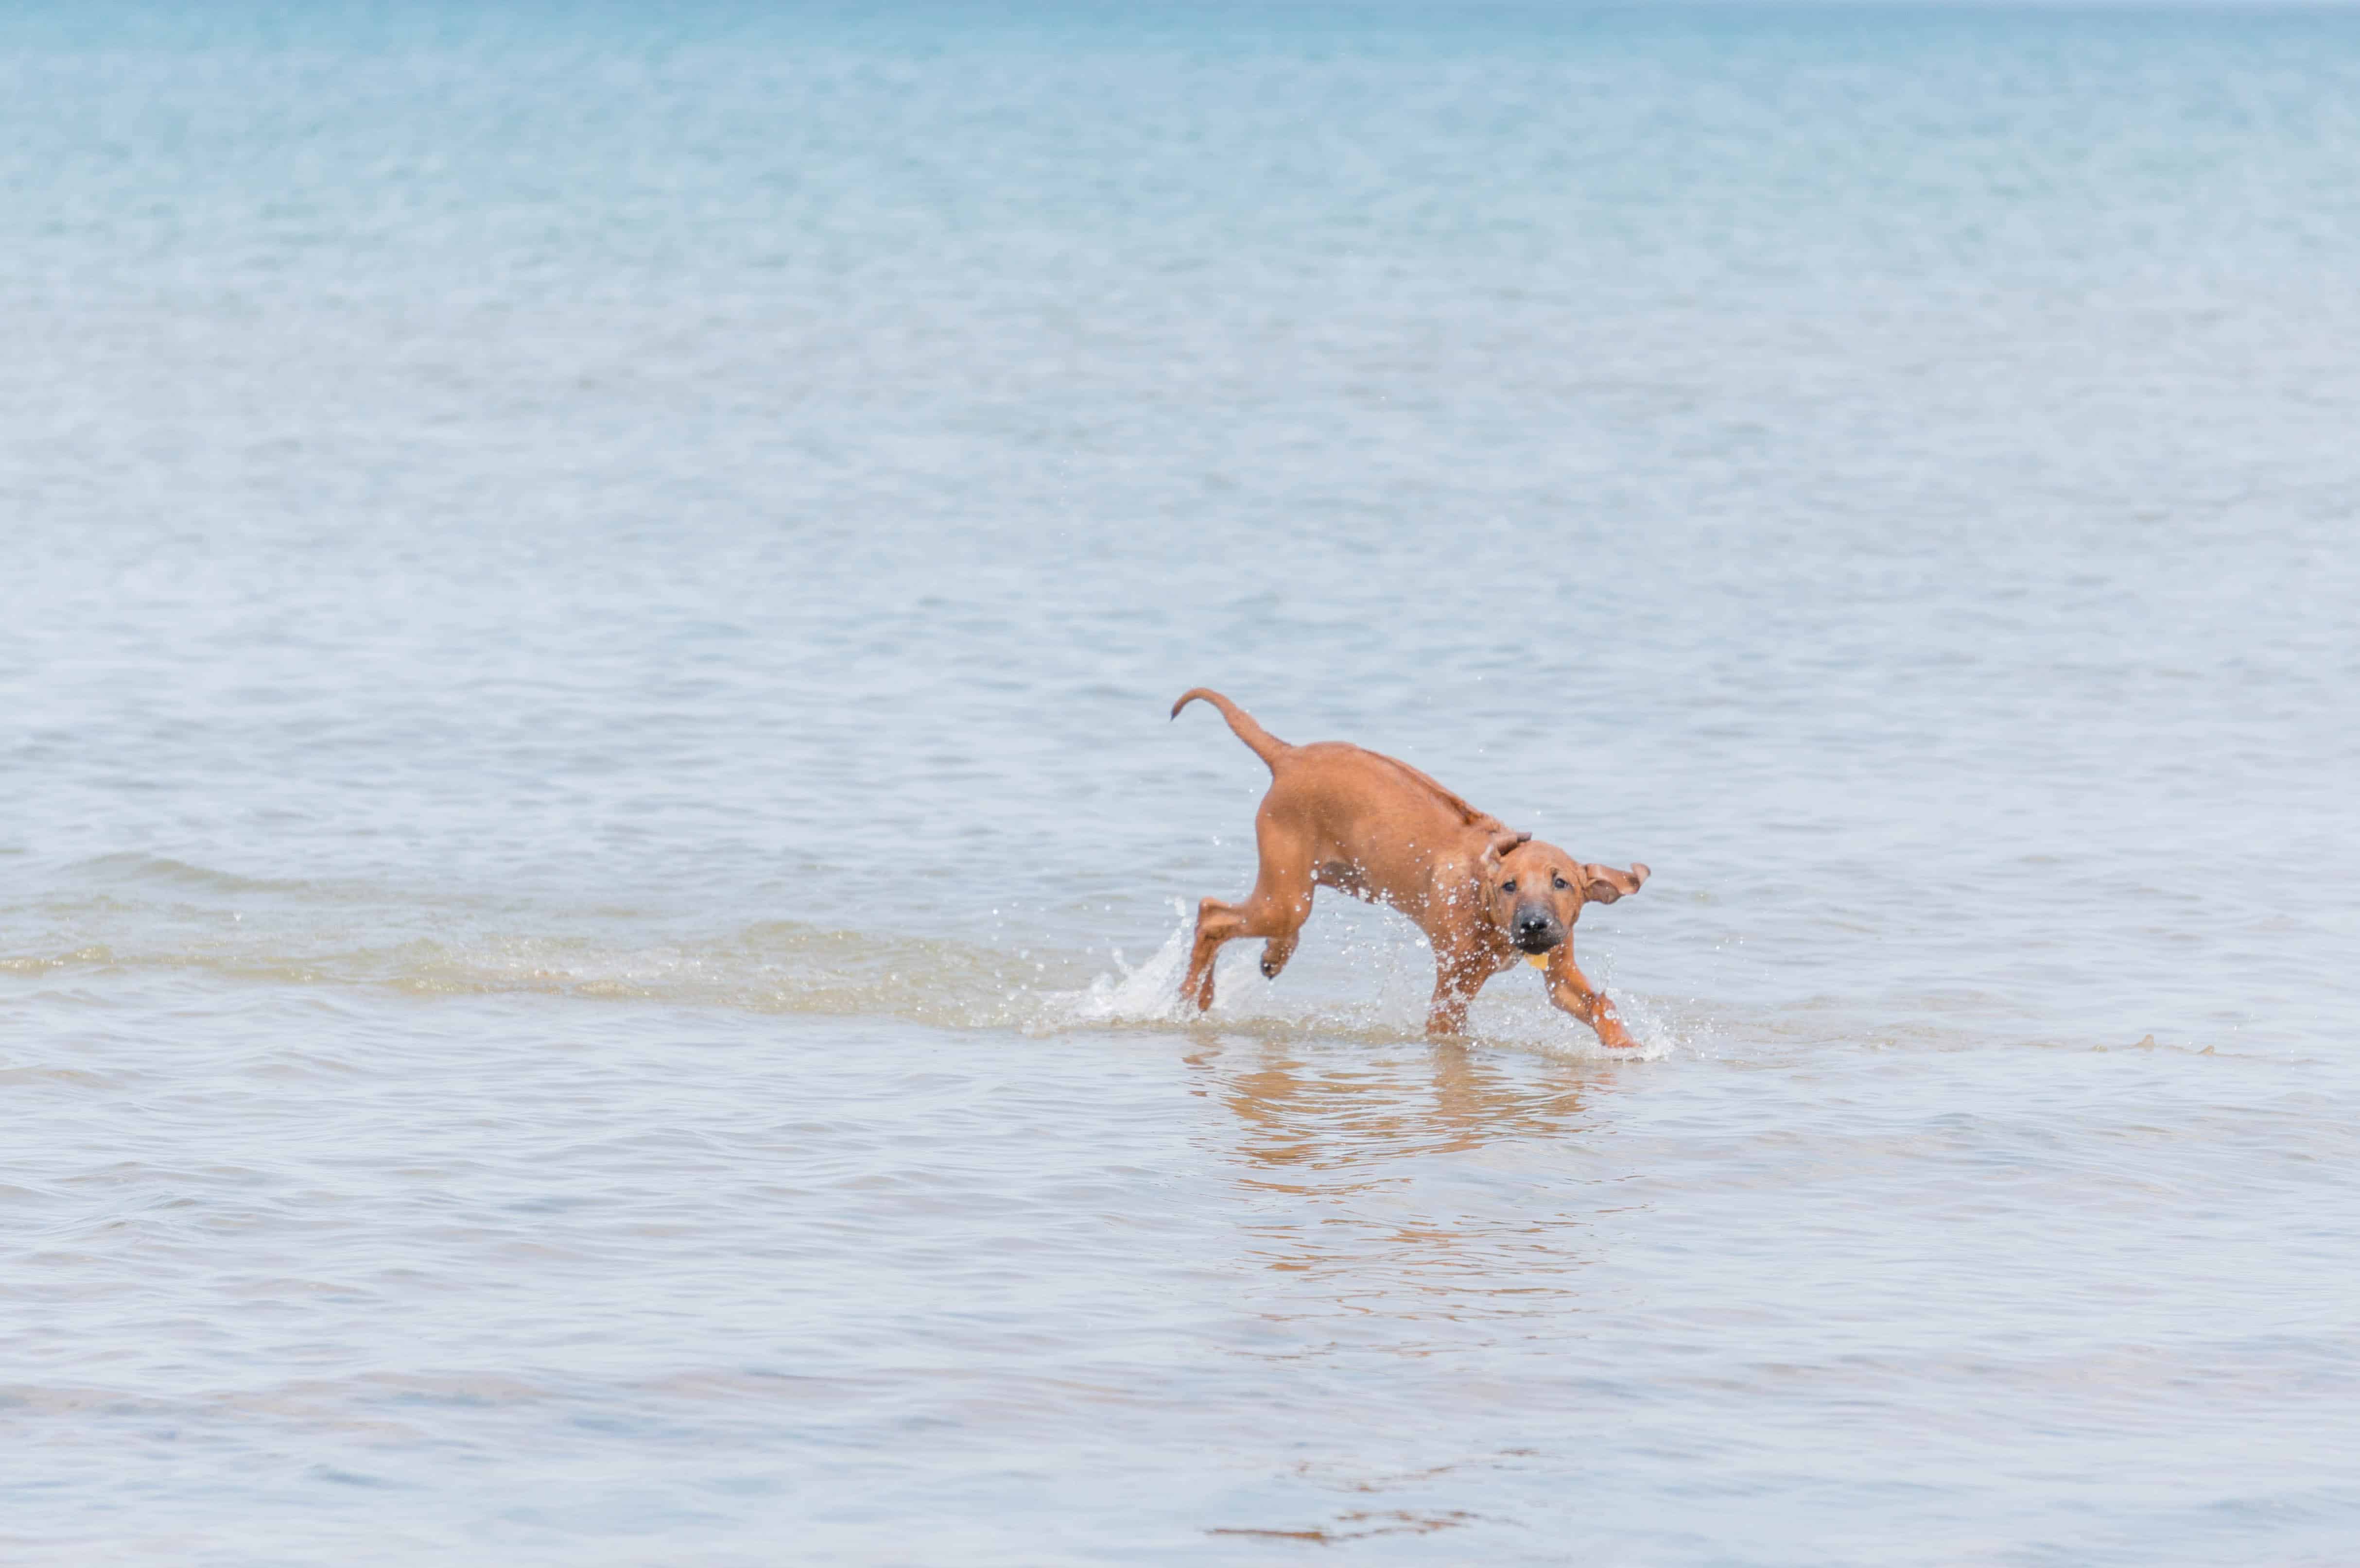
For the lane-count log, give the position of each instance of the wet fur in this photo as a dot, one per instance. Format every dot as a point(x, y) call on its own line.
point(1372, 826)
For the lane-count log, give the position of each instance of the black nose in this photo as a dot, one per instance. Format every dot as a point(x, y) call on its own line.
point(1535, 931)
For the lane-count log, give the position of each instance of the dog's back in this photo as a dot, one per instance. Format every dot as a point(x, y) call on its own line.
point(1346, 768)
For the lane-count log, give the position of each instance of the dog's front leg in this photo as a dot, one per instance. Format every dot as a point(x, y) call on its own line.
point(1570, 989)
point(1457, 978)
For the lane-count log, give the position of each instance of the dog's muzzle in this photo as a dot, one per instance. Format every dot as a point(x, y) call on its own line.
point(1535, 932)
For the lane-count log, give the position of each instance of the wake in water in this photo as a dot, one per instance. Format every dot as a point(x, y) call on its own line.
point(1363, 978)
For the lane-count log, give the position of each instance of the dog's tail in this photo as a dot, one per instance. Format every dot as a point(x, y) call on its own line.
point(1259, 741)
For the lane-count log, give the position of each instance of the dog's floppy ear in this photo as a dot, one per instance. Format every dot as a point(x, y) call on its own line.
point(1503, 840)
point(1603, 883)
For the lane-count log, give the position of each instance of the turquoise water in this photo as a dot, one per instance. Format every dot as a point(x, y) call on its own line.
point(591, 860)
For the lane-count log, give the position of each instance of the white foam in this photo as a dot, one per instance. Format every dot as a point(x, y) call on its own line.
point(1147, 994)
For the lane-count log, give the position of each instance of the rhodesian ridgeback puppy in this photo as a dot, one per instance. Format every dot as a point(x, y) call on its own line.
point(1485, 895)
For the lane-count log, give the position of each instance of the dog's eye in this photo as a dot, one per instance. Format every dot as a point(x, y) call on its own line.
point(1561, 883)
point(1509, 885)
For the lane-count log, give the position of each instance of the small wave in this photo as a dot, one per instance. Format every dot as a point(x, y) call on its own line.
point(39, 962)
point(786, 967)
point(133, 868)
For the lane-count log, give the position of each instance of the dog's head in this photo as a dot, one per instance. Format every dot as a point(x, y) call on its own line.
point(1534, 891)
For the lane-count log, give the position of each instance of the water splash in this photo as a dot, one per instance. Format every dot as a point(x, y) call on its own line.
point(1148, 994)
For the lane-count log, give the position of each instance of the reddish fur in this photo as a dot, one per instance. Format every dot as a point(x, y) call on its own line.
point(1338, 816)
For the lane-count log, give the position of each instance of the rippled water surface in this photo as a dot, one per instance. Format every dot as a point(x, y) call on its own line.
point(592, 868)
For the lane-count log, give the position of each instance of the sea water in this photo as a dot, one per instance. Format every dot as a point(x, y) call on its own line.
point(593, 870)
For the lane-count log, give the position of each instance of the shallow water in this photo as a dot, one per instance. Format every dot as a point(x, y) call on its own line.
point(593, 870)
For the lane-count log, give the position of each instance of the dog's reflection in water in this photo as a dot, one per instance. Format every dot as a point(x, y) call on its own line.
point(1356, 1172)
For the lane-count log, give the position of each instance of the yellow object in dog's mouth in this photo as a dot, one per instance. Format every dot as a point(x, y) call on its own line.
point(1537, 960)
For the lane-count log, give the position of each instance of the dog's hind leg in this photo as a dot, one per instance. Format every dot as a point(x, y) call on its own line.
point(1216, 923)
point(1274, 910)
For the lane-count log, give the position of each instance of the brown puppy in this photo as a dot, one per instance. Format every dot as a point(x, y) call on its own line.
point(1485, 895)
